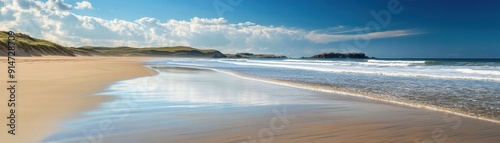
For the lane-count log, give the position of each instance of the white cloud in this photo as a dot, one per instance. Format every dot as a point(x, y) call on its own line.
point(54, 21)
point(60, 4)
point(319, 37)
point(84, 5)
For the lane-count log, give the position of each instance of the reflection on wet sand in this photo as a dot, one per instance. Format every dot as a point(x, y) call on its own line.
point(197, 105)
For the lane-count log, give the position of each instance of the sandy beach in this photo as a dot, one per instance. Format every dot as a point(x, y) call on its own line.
point(249, 71)
point(197, 105)
point(54, 89)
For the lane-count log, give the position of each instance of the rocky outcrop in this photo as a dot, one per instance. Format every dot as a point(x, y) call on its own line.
point(340, 55)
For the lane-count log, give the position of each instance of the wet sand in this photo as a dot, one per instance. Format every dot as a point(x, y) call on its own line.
point(52, 90)
point(192, 105)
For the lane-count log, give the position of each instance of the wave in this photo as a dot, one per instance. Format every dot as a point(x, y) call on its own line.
point(370, 62)
point(322, 88)
point(391, 61)
point(463, 89)
point(387, 64)
point(473, 71)
point(372, 67)
point(313, 61)
point(323, 63)
point(187, 64)
point(372, 71)
point(376, 63)
point(395, 62)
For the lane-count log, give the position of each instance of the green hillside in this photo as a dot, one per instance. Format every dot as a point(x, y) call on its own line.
point(29, 46)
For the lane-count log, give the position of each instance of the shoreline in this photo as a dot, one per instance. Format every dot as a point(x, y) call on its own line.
point(47, 102)
point(254, 111)
point(54, 89)
point(437, 133)
point(319, 88)
point(395, 102)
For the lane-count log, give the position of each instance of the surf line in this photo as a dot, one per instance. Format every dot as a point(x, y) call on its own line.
point(11, 83)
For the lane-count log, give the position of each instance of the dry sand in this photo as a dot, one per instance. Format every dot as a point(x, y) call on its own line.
point(53, 89)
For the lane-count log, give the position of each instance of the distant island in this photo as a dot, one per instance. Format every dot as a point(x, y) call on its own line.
point(341, 55)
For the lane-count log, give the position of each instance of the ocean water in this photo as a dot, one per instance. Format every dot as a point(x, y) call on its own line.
point(191, 98)
point(469, 87)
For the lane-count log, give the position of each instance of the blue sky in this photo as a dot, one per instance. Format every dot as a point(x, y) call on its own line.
point(419, 28)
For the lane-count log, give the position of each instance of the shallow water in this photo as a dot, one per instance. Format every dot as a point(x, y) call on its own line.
point(469, 87)
point(183, 100)
point(187, 102)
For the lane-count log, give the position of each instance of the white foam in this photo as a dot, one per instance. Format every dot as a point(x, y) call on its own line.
point(186, 64)
point(372, 68)
point(300, 63)
point(412, 72)
point(484, 72)
point(429, 107)
point(375, 63)
point(391, 61)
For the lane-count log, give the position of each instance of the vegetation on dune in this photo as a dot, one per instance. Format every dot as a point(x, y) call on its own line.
point(153, 51)
point(29, 46)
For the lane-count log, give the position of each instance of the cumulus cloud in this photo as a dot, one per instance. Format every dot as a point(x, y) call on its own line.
point(54, 21)
point(58, 5)
point(83, 5)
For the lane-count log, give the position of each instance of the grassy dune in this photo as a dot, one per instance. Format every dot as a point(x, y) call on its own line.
point(29, 46)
